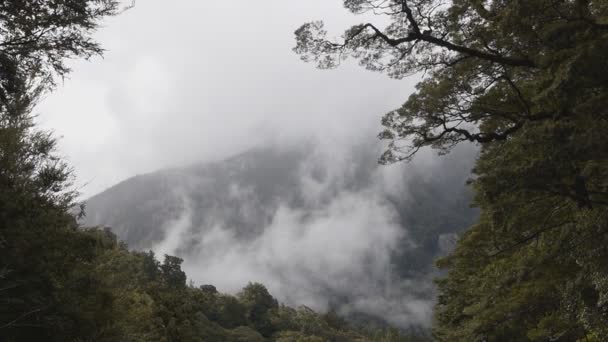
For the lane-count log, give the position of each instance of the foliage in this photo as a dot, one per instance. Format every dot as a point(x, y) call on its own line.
point(35, 228)
point(109, 296)
point(37, 37)
point(536, 260)
point(45, 288)
point(527, 80)
point(492, 67)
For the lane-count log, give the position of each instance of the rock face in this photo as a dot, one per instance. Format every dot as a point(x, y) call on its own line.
point(324, 228)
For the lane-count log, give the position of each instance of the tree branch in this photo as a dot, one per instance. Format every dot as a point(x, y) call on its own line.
point(410, 17)
point(20, 318)
point(416, 35)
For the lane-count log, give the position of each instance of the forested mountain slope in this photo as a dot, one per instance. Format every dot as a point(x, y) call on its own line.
point(324, 229)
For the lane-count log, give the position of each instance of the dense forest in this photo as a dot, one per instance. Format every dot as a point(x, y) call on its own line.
point(231, 220)
point(526, 81)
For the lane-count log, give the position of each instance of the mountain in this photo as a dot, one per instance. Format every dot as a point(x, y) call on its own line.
point(320, 225)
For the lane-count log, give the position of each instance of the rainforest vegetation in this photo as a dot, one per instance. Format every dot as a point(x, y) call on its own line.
point(527, 81)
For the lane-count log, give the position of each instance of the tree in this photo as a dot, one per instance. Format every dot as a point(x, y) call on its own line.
point(151, 266)
point(492, 67)
point(259, 303)
point(39, 246)
point(34, 199)
point(528, 81)
point(172, 273)
point(37, 37)
point(533, 267)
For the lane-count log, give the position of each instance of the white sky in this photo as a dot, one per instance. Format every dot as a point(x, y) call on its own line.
point(187, 81)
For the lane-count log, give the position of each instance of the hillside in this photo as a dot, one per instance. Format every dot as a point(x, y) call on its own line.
point(342, 234)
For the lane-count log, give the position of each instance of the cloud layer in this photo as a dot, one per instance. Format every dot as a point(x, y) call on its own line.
point(332, 248)
point(190, 81)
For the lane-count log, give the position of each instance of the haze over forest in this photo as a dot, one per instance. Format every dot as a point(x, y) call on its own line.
point(198, 98)
point(325, 229)
point(215, 79)
point(354, 170)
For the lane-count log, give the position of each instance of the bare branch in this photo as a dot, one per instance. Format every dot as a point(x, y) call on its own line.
point(12, 323)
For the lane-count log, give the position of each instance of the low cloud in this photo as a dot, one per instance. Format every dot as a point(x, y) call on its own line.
point(333, 250)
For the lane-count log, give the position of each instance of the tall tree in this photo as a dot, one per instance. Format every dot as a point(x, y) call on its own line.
point(528, 81)
point(491, 67)
point(38, 245)
point(37, 37)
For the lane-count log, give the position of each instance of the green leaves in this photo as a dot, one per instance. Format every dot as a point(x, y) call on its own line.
point(40, 36)
point(524, 270)
point(172, 273)
point(491, 67)
point(527, 80)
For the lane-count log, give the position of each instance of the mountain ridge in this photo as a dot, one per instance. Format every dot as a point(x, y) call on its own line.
point(229, 219)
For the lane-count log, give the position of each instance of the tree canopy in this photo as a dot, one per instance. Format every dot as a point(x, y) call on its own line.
point(528, 82)
point(492, 67)
point(38, 37)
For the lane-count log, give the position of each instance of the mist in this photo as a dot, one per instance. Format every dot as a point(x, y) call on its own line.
point(320, 224)
point(192, 83)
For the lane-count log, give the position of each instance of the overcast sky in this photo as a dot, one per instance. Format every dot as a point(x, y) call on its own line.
point(195, 80)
